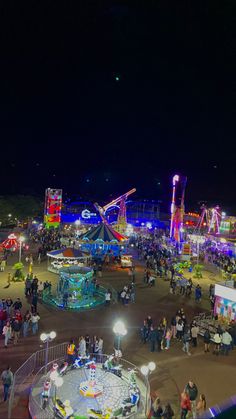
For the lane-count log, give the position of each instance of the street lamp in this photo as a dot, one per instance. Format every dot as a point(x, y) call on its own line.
point(46, 338)
point(21, 240)
point(146, 370)
point(120, 330)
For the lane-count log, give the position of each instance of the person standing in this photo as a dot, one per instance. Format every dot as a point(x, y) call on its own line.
point(100, 348)
point(217, 343)
point(153, 339)
point(207, 340)
point(226, 342)
point(7, 333)
point(71, 352)
point(26, 323)
point(192, 390)
point(16, 326)
point(35, 322)
point(9, 303)
point(7, 380)
point(168, 412)
point(82, 347)
point(194, 333)
point(87, 341)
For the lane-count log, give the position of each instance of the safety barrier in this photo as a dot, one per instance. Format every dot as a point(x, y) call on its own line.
point(30, 366)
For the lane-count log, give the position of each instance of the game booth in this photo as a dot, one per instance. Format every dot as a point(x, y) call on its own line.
point(66, 257)
point(225, 303)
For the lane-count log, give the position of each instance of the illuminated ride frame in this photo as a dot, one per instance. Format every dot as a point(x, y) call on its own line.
point(177, 208)
point(121, 225)
point(210, 217)
point(52, 208)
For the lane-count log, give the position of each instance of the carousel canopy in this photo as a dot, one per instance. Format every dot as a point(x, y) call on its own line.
point(67, 253)
point(105, 233)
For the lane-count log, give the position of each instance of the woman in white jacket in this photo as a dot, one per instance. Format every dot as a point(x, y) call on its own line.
point(7, 333)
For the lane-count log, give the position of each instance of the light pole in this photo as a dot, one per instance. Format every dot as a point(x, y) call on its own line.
point(46, 338)
point(146, 370)
point(21, 240)
point(120, 331)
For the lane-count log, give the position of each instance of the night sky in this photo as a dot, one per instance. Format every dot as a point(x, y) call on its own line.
point(98, 97)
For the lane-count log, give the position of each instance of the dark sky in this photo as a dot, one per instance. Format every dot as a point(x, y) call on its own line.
point(67, 122)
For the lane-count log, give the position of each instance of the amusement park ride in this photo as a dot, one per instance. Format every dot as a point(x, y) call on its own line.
point(177, 207)
point(122, 219)
point(210, 217)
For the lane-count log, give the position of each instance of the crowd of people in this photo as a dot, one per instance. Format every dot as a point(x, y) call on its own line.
point(13, 323)
point(159, 335)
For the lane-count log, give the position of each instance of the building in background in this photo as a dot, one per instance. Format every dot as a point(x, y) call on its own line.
point(139, 213)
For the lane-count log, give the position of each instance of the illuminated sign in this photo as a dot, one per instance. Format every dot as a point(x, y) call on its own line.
point(225, 292)
point(86, 214)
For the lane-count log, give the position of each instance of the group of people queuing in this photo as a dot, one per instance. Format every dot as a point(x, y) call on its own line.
point(84, 346)
point(13, 323)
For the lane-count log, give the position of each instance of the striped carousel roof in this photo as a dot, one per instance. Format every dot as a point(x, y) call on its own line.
point(103, 232)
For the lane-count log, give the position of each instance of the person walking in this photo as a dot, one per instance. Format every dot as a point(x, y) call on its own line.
point(201, 406)
point(7, 331)
point(192, 390)
point(185, 404)
point(168, 338)
point(7, 380)
point(186, 340)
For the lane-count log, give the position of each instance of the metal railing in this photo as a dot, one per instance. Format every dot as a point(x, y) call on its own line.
point(33, 371)
point(30, 366)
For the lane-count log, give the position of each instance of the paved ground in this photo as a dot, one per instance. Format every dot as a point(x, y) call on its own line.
point(213, 375)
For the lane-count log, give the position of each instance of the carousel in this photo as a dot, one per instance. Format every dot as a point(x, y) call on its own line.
point(64, 258)
point(77, 289)
point(103, 240)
